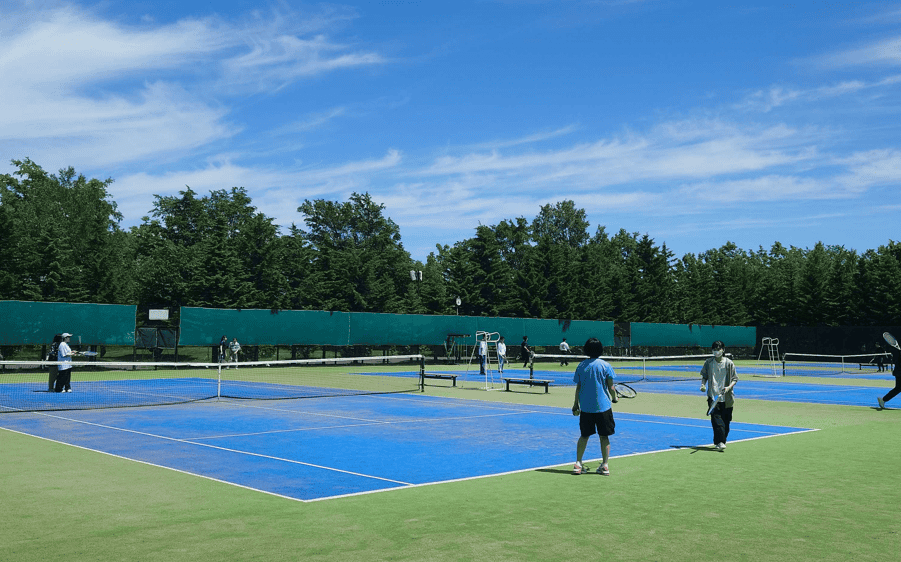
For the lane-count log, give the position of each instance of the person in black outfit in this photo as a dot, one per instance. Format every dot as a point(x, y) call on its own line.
point(879, 359)
point(896, 357)
point(53, 356)
point(525, 352)
point(223, 348)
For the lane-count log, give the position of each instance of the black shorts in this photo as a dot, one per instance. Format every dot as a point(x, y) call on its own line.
point(601, 423)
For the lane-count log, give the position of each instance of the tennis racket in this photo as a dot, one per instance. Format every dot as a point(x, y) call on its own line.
point(890, 339)
point(713, 406)
point(624, 391)
point(88, 353)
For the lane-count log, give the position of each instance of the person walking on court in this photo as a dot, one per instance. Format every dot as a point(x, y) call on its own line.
point(483, 355)
point(564, 350)
point(235, 349)
point(223, 348)
point(896, 357)
point(593, 404)
point(879, 358)
point(65, 354)
point(718, 379)
point(53, 355)
point(524, 352)
point(501, 354)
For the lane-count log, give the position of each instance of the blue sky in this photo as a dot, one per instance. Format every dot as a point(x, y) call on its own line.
point(696, 123)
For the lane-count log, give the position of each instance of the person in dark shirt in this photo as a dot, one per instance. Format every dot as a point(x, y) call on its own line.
point(524, 352)
point(896, 357)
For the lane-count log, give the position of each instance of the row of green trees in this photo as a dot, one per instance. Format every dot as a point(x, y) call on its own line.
point(60, 240)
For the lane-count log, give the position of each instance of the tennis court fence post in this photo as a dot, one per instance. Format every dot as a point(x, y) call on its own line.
point(219, 382)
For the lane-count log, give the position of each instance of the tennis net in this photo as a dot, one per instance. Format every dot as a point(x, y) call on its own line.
point(814, 365)
point(24, 385)
point(664, 368)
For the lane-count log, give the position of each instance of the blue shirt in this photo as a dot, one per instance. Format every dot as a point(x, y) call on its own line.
point(593, 375)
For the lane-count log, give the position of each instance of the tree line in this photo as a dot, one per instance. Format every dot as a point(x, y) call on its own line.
point(61, 240)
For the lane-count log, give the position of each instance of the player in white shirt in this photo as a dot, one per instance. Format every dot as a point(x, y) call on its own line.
point(564, 350)
point(501, 354)
point(64, 354)
point(483, 356)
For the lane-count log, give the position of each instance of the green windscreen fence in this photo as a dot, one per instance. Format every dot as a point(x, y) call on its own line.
point(205, 326)
point(35, 323)
point(688, 335)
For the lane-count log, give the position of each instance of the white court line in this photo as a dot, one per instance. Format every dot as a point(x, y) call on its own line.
point(146, 463)
point(401, 485)
point(834, 390)
point(533, 469)
point(556, 410)
point(362, 424)
point(226, 449)
point(366, 423)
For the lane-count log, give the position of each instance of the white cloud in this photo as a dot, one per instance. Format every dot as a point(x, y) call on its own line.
point(163, 120)
point(67, 48)
point(80, 90)
point(873, 167)
point(884, 52)
point(683, 149)
point(528, 139)
point(777, 96)
point(770, 188)
point(276, 193)
point(311, 123)
point(273, 63)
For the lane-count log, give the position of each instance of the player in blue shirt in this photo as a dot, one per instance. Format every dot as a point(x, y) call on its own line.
point(594, 380)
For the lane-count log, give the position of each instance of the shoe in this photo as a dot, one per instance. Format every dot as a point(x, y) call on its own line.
point(68, 390)
point(720, 446)
point(881, 403)
point(603, 470)
point(580, 469)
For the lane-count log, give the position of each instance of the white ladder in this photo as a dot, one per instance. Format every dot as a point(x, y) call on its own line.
point(489, 338)
point(770, 346)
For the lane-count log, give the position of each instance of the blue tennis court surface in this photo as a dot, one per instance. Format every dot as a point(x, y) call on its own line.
point(316, 449)
point(780, 391)
point(749, 387)
point(762, 389)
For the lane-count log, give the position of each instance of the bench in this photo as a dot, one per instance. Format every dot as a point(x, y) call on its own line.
point(531, 382)
point(444, 376)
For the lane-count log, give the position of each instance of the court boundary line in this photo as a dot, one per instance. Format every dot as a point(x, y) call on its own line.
point(537, 468)
point(207, 445)
point(148, 463)
point(564, 412)
point(404, 485)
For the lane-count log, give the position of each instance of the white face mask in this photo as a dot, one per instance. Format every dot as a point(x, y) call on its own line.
point(718, 353)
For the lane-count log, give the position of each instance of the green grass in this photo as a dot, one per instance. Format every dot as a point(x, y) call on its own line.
point(825, 495)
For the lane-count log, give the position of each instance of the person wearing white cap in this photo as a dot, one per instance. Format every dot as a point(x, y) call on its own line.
point(64, 376)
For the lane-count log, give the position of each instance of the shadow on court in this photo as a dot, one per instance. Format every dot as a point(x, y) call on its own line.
point(697, 448)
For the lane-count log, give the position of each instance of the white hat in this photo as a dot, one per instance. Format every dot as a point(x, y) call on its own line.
point(66, 335)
